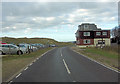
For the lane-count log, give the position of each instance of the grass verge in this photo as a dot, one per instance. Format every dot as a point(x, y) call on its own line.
point(12, 64)
point(107, 56)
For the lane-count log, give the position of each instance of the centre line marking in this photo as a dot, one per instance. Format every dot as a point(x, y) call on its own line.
point(66, 67)
point(61, 54)
point(74, 81)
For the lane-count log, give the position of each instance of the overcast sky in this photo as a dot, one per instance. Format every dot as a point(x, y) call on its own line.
point(56, 20)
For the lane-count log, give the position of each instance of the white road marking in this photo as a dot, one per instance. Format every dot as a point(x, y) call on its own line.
point(31, 64)
point(26, 68)
point(10, 82)
point(41, 56)
point(74, 81)
point(37, 58)
point(61, 54)
point(18, 75)
point(66, 67)
point(97, 62)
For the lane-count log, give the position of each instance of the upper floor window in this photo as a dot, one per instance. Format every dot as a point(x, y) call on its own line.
point(86, 33)
point(98, 33)
point(104, 33)
point(86, 41)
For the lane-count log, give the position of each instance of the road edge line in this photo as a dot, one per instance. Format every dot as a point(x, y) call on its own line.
point(21, 70)
point(96, 61)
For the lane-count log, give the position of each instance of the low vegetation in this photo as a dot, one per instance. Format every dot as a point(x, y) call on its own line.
point(12, 64)
point(108, 55)
point(28, 40)
point(34, 40)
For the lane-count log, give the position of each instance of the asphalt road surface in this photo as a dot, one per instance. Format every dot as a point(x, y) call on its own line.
point(65, 65)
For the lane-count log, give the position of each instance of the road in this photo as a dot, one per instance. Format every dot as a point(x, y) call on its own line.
point(65, 65)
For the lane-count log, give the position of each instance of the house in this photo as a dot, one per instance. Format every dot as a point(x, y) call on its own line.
point(89, 35)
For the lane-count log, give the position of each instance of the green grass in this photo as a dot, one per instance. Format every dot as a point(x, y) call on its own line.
point(14, 63)
point(28, 40)
point(102, 52)
point(33, 54)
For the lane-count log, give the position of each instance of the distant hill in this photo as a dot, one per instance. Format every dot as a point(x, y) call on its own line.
point(33, 40)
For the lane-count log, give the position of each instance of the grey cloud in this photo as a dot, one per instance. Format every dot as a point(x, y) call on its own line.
point(60, 1)
point(21, 14)
point(36, 9)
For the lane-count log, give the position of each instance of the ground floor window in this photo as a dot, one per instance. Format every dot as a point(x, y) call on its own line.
point(101, 41)
point(86, 41)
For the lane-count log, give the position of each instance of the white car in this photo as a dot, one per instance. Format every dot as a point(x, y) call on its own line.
point(22, 46)
point(11, 49)
point(27, 47)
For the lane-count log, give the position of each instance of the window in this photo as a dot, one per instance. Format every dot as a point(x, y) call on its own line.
point(5, 46)
point(98, 33)
point(11, 46)
point(86, 33)
point(101, 42)
point(86, 41)
point(104, 33)
point(21, 45)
